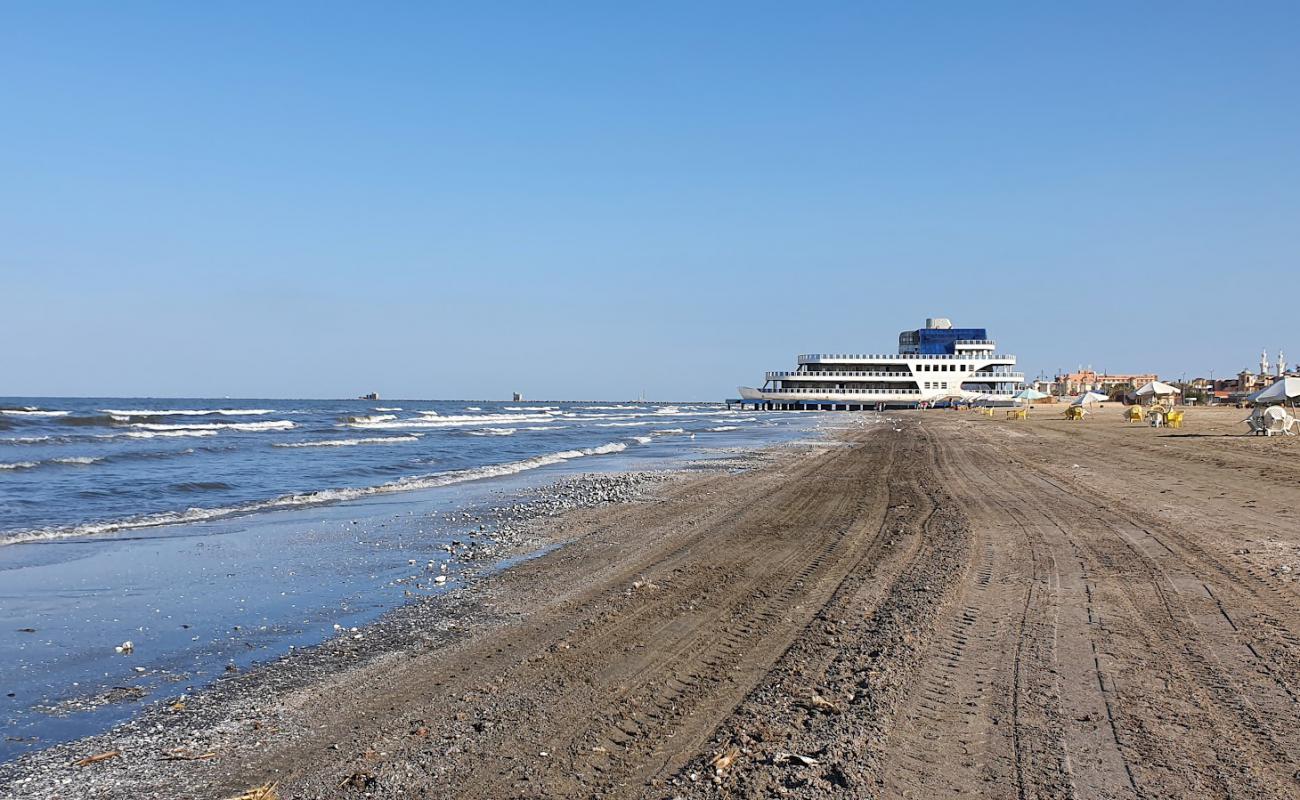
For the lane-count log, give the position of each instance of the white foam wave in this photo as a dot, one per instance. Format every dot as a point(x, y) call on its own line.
point(493, 432)
point(188, 412)
point(269, 425)
point(32, 411)
point(19, 465)
point(77, 459)
point(644, 439)
point(667, 431)
point(722, 428)
point(452, 421)
point(313, 498)
point(351, 442)
point(154, 434)
point(371, 418)
point(381, 408)
point(26, 440)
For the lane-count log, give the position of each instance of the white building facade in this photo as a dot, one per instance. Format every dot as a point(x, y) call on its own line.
point(937, 362)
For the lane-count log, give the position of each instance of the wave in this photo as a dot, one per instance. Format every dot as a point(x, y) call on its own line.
point(322, 497)
point(270, 425)
point(644, 439)
point(467, 408)
point(351, 442)
point(379, 408)
point(188, 412)
point(451, 421)
point(68, 460)
point(667, 431)
point(155, 434)
point(26, 440)
point(493, 432)
point(77, 459)
point(32, 411)
point(722, 428)
point(370, 418)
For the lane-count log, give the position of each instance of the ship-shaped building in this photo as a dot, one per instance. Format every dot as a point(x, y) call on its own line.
point(934, 363)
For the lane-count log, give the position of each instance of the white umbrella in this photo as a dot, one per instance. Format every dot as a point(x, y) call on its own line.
point(1158, 389)
point(1028, 394)
point(1281, 391)
point(1088, 398)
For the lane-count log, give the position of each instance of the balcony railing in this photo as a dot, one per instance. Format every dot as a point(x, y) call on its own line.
point(841, 391)
point(904, 376)
point(846, 374)
point(995, 377)
point(813, 358)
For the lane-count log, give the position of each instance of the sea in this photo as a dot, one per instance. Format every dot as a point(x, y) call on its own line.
point(216, 533)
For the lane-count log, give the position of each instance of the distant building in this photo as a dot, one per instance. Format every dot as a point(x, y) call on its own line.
point(1105, 383)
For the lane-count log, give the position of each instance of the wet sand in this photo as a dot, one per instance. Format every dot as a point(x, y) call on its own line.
point(937, 605)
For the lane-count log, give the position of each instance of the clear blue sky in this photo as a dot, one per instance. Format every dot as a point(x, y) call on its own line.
point(599, 199)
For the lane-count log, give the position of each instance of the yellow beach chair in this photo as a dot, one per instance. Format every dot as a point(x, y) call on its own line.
point(1074, 413)
point(1133, 414)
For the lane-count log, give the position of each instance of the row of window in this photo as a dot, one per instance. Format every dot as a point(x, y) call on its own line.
point(955, 367)
point(936, 384)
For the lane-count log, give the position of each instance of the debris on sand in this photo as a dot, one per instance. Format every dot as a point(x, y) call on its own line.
point(721, 761)
point(794, 758)
point(819, 703)
point(98, 757)
point(264, 792)
point(125, 648)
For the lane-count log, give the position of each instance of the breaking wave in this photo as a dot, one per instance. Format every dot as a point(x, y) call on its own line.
point(269, 425)
point(322, 497)
point(32, 411)
point(434, 421)
point(188, 412)
point(351, 442)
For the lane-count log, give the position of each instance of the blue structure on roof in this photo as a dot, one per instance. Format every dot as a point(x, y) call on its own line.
point(944, 342)
point(938, 338)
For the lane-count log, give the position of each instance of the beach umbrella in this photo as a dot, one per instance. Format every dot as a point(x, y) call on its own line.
point(1027, 394)
point(1088, 398)
point(1157, 389)
point(1281, 391)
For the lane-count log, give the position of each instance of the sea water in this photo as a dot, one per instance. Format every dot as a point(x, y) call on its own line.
point(221, 532)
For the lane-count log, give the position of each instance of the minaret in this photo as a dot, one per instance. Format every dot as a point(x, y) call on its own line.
point(1281, 363)
point(1263, 363)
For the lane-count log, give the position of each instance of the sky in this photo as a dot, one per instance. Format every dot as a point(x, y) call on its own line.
point(604, 200)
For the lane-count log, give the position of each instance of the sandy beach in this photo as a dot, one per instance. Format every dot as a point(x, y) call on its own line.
point(926, 604)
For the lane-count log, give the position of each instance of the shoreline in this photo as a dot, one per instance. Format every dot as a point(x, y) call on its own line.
point(998, 595)
point(527, 524)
